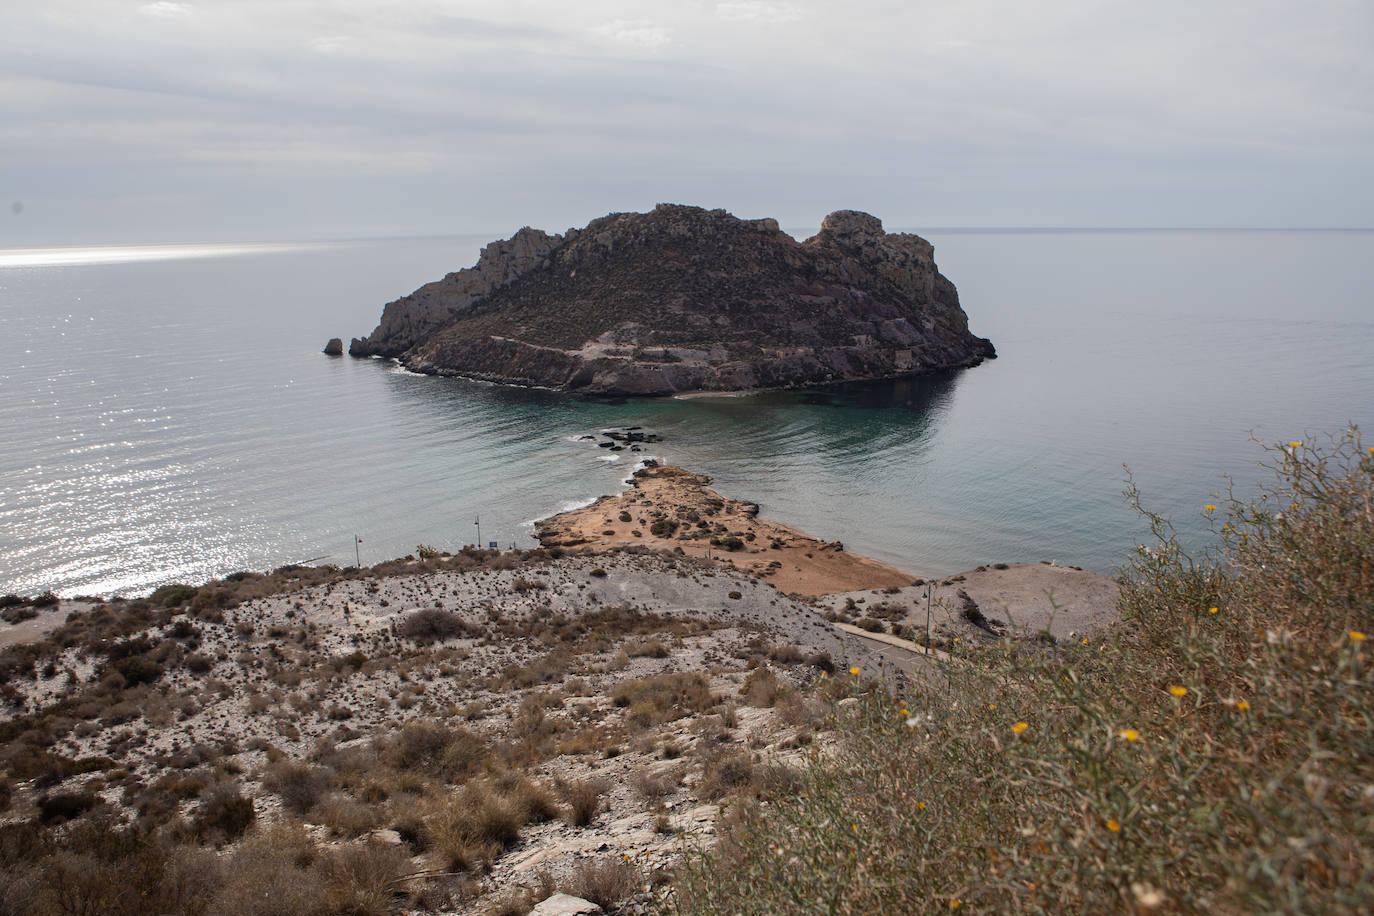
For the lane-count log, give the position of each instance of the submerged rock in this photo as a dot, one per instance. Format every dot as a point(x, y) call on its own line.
point(686, 299)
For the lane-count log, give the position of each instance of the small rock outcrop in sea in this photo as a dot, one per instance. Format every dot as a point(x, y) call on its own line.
point(334, 347)
point(685, 299)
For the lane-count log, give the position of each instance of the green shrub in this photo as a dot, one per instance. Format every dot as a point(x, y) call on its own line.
point(61, 806)
point(432, 749)
point(173, 595)
point(18, 613)
point(298, 784)
point(434, 624)
point(198, 663)
point(224, 813)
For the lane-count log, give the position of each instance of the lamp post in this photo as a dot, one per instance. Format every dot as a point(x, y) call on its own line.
point(478, 523)
point(929, 589)
point(357, 558)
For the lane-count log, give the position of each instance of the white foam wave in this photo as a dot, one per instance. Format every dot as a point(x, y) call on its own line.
point(570, 506)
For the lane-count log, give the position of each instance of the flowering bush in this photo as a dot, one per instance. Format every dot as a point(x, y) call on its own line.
point(1213, 753)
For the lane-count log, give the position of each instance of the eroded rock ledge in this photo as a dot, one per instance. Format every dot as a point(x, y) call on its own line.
point(686, 299)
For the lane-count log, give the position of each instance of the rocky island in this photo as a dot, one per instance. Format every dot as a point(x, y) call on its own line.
point(684, 299)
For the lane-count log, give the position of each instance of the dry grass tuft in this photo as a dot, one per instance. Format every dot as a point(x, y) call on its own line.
point(583, 797)
point(475, 823)
point(761, 688)
point(605, 882)
point(663, 698)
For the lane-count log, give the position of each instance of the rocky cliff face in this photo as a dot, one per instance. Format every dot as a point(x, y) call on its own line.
point(407, 321)
point(686, 299)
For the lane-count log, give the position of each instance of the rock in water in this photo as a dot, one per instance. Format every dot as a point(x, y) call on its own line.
point(686, 299)
point(334, 347)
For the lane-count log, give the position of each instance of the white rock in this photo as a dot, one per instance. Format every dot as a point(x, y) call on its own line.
point(385, 837)
point(565, 905)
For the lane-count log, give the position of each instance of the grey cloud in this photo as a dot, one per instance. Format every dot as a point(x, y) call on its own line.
point(956, 113)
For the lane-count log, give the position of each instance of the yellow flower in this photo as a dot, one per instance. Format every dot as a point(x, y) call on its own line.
point(1295, 444)
point(955, 904)
point(1113, 825)
point(854, 671)
point(1130, 734)
point(1178, 691)
point(1210, 508)
point(1356, 636)
point(854, 827)
point(1242, 706)
point(920, 806)
point(1211, 610)
point(1019, 727)
point(1084, 642)
point(992, 706)
point(905, 712)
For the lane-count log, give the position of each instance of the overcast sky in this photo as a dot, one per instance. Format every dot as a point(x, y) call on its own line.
point(192, 120)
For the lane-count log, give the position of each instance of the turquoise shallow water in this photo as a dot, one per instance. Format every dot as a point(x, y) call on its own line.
point(168, 416)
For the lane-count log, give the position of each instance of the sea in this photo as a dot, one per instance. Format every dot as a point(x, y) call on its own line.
point(168, 415)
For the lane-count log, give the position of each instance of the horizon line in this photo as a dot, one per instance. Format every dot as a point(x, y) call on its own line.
point(59, 246)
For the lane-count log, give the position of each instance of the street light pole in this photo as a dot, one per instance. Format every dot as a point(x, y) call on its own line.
point(929, 589)
point(357, 557)
point(478, 523)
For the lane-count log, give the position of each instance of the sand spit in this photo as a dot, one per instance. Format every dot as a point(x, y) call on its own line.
point(670, 508)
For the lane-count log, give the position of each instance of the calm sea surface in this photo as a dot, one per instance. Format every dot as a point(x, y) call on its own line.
point(167, 414)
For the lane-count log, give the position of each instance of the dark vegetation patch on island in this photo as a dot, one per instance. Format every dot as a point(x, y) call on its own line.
point(686, 299)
